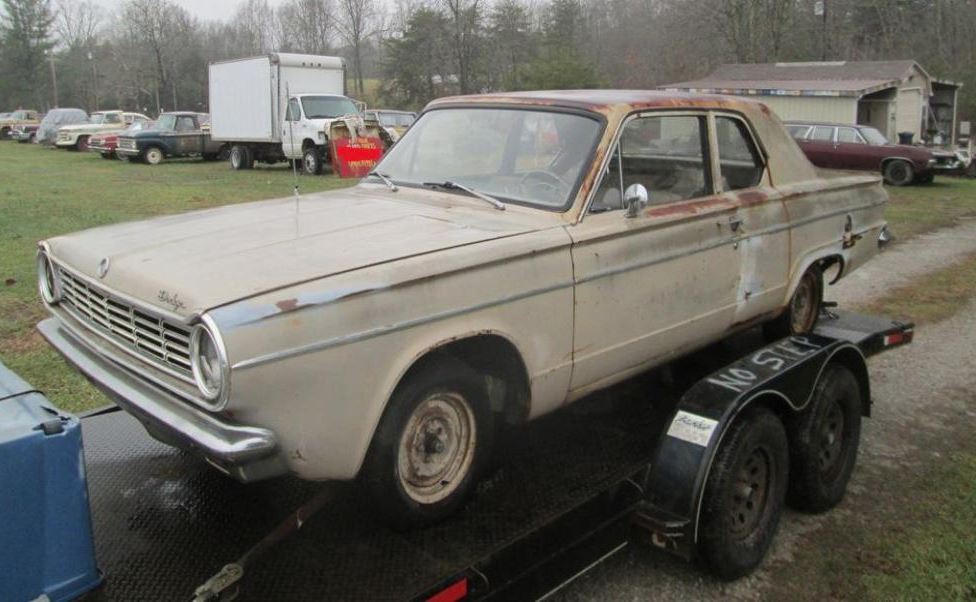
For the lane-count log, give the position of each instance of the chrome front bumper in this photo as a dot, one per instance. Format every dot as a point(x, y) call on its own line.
point(246, 453)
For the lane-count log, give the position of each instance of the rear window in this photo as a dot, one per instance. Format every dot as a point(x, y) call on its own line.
point(798, 131)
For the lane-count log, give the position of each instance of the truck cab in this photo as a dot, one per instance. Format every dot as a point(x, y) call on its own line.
point(307, 121)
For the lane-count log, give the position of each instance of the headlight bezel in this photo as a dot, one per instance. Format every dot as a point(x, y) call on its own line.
point(48, 278)
point(215, 397)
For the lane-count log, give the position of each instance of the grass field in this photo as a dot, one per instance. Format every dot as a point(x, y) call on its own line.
point(45, 192)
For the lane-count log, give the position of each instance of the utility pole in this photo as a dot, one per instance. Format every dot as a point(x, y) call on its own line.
point(94, 78)
point(54, 75)
point(820, 10)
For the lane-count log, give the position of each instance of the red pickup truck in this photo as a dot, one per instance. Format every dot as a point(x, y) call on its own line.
point(861, 147)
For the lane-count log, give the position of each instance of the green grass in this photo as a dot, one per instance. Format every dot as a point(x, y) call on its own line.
point(932, 297)
point(935, 559)
point(917, 209)
point(45, 192)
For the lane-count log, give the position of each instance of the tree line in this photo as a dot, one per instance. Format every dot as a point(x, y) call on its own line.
point(153, 54)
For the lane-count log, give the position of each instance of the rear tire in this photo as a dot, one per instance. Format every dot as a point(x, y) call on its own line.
point(803, 310)
point(898, 173)
point(241, 157)
point(430, 447)
point(824, 442)
point(744, 495)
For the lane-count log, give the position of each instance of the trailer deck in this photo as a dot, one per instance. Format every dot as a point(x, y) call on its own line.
point(562, 496)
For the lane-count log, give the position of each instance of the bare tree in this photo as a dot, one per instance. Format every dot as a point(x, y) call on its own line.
point(358, 21)
point(306, 25)
point(76, 23)
point(466, 18)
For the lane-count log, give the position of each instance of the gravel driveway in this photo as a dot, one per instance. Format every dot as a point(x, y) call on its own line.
point(917, 405)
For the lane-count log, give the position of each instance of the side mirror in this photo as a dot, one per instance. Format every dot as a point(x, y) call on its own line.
point(635, 198)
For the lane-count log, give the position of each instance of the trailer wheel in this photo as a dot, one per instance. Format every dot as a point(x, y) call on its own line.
point(744, 495)
point(898, 173)
point(432, 443)
point(803, 310)
point(824, 441)
point(241, 157)
point(312, 161)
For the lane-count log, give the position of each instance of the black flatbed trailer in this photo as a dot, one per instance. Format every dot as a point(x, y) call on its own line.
point(567, 491)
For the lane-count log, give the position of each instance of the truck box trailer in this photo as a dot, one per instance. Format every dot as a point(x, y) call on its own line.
point(278, 106)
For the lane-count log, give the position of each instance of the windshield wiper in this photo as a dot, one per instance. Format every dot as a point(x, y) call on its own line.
point(449, 185)
point(386, 180)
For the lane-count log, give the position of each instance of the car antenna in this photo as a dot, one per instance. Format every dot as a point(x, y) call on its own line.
point(291, 143)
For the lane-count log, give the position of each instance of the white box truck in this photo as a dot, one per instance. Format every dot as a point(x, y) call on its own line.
point(276, 107)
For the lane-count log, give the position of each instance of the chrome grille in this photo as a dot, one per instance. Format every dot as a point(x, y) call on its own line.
point(127, 143)
point(149, 335)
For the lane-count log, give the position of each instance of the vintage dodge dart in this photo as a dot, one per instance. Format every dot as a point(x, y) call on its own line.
point(510, 254)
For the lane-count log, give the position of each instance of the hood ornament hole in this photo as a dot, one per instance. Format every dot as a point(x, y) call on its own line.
point(103, 266)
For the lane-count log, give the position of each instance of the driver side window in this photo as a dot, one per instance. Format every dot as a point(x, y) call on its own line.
point(294, 111)
point(666, 154)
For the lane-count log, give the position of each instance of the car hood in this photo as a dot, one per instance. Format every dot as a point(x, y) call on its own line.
point(90, 127)
point(188, 263)
point(153, 133)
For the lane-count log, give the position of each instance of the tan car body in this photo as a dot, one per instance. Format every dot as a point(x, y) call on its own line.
point(69, 135)
point(324, 303)
point(18, 117)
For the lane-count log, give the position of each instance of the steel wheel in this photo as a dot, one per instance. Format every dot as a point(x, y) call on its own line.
point(154, 156)
point(437, 447)
point(805, 305)
point(831, 441)
point(750, 495)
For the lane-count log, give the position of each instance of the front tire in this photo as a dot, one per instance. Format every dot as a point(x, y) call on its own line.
point(744, 495)
point(803, 310)
point(153, 155)
point(430, 447)
point(312, 161)
point(898, 173)
point(825, 439)
point(82, 144)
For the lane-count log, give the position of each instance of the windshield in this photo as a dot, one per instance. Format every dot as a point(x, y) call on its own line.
point(112, 118)
point(327, 107)
point(20, 114)
point(395, 119)
point(98, 119)
point(166, 122)
point(520, 155)
point(873, 136)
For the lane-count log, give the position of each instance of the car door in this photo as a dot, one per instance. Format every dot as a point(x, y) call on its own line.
point(291, 136)
point(664, 281)
point(852, 150)
point(819, 146)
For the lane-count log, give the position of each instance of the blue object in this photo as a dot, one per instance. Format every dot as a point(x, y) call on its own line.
point(46, 545)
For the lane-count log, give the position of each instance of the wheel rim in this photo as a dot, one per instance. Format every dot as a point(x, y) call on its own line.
point(311, 163)
point(831, 441)
point(436, 448)
point(750, 493)
point(803, 310)
point(235, 158)
point(898, 173)
point(153, 156)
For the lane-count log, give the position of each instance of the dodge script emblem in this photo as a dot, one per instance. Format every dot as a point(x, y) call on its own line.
point(103, 267)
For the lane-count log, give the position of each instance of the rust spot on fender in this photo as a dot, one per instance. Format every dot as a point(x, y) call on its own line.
point(287, 305)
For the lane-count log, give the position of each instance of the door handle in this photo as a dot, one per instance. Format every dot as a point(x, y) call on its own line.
point(735, 222)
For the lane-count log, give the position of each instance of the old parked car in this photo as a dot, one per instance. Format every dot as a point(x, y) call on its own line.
point(861, 147)
point(76, 137)
point(25, 132)
point(393, 123)
point(54, 120)
point(18, 117)
point(105, 143)
point(176, 134)
point(567, 241)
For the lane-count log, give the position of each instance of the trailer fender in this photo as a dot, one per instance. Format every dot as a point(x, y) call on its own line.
point(781, 375)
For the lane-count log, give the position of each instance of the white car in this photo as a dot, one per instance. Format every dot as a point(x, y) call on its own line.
point(509, 255)
point(76, 137)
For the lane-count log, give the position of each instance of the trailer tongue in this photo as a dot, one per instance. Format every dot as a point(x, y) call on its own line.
point(572, 489)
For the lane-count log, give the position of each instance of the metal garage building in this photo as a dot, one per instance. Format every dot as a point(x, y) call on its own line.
point(893, 96)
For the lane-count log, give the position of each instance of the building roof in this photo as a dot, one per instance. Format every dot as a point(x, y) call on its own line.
point(832, 78)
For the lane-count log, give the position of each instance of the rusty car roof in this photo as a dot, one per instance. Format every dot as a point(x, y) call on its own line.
point(602, 100)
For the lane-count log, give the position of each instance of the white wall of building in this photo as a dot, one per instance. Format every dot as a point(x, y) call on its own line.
point(813, 108)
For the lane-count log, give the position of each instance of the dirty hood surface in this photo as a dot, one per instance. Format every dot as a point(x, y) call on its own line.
point(196, 261)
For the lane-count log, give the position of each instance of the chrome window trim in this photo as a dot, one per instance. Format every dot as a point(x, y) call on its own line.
point(764, 180)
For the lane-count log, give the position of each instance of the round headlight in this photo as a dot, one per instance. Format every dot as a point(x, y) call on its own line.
point(48, 280)
point(208, 361)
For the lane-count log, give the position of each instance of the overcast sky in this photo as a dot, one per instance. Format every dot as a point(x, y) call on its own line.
point(203, 9)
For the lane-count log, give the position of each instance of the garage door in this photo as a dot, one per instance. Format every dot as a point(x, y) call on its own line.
point(908, 117)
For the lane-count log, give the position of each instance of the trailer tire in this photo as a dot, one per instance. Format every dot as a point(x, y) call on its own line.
point(803, 310)
point(824, 441)
point(312, 161)
point(442, 406)
point(898, 172)
point(241, 157)
point(744, 494)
